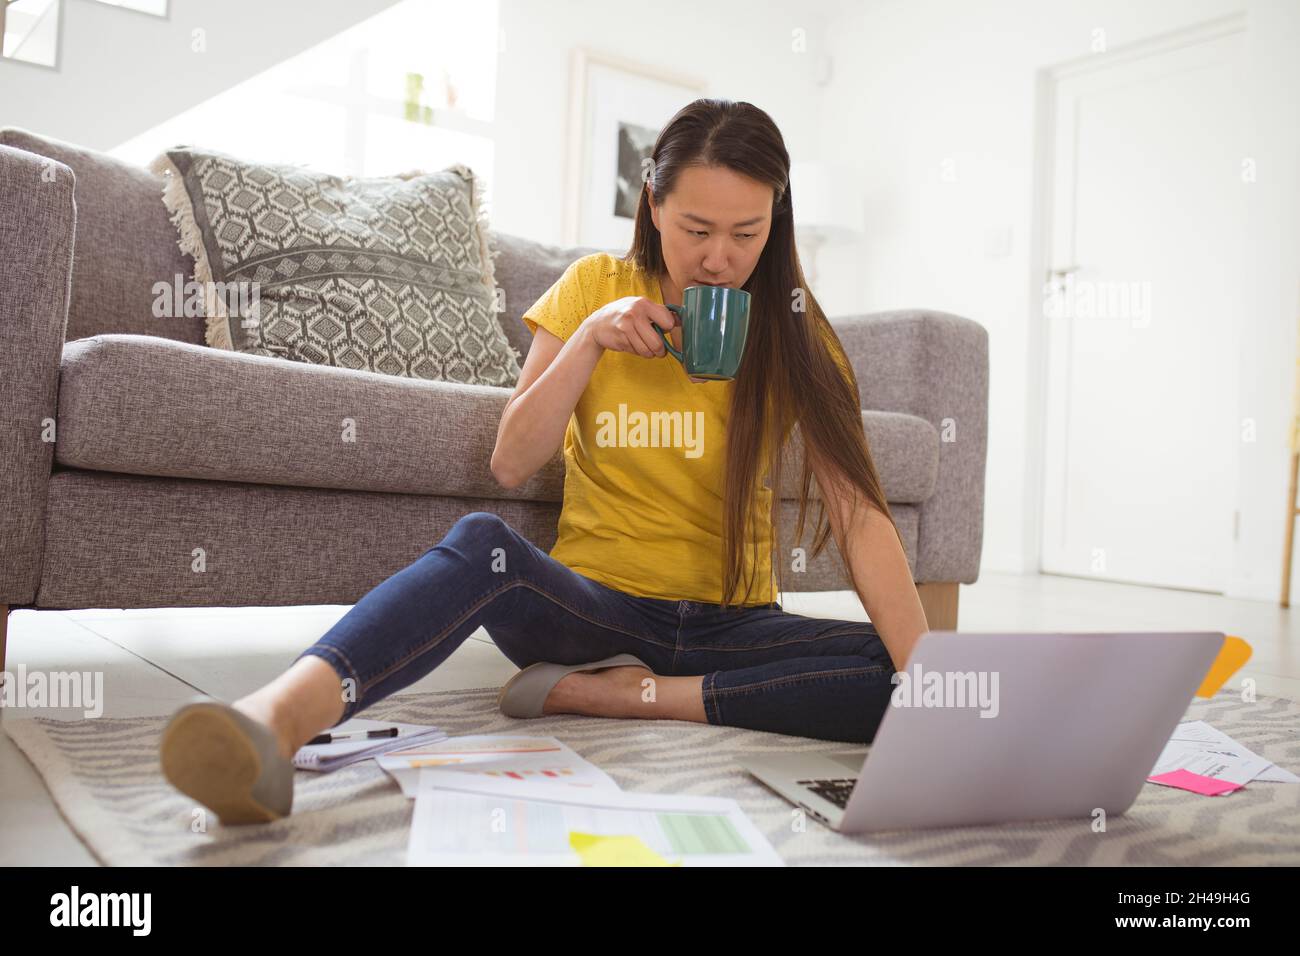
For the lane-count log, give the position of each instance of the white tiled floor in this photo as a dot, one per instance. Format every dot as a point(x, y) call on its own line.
point(153, 660)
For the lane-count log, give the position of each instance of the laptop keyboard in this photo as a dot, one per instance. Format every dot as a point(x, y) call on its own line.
point(834, 789)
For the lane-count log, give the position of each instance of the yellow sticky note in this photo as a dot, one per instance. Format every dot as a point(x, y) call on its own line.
point(1232, 655)
point(599, 850)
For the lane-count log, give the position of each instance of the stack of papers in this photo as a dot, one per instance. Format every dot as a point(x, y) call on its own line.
point(495, 799)
point(332, 756)
point(1197, 748)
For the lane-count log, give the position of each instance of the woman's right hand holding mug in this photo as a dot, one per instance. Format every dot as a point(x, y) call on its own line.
point(628, 325)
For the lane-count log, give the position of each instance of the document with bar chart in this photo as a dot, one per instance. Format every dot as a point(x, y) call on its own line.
point(476, 821)
point(543, 760)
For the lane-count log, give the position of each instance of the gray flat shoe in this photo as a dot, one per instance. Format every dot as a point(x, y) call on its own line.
point(526, 692)
point(226, 761)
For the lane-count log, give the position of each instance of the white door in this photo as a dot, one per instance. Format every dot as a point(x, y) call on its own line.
point(1141, 322)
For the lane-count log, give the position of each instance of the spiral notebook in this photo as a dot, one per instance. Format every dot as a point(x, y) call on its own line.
point(341, 753)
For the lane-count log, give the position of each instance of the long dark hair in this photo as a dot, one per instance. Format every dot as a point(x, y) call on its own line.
point(788, 377)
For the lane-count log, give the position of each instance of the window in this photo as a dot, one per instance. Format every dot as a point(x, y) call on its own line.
point(411, 88)
point(157, 7)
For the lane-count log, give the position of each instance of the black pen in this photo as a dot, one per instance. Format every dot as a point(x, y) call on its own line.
point(351, 735)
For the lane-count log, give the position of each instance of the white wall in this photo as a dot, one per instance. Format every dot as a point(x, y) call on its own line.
point(922, 81)
point(121, 72)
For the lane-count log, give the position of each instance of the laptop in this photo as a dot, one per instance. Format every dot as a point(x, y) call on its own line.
point(985, 728)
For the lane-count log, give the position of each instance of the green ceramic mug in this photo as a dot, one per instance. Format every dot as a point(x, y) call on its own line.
point(715, 324)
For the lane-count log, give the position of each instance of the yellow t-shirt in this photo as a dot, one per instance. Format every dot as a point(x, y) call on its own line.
point(644, 455)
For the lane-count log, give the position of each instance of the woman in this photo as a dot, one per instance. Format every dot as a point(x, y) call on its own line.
point(634, 613)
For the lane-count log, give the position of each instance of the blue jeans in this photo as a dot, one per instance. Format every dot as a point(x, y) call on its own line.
point(764, 668)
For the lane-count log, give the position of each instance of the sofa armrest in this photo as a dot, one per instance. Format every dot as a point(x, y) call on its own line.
point(37, 224)
point(935, 366)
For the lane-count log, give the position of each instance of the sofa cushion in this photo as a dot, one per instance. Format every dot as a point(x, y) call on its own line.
point(124, 244)
point(151, 406)
point(148, 406)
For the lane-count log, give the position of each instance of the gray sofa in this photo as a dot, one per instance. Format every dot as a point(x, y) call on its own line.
point(141, 468)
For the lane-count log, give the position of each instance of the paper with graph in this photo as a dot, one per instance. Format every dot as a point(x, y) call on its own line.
point(542, 760)
point(480, 821)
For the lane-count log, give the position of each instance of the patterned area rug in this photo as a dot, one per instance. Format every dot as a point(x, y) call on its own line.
point(104, 776)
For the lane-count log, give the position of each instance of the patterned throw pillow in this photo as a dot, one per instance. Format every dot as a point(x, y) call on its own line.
point(390, 275)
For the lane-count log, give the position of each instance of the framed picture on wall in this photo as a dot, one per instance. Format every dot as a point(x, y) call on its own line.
point(617, 109)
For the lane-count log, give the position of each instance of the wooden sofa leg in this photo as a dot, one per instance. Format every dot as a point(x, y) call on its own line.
point(4, 634)
point(939, 600)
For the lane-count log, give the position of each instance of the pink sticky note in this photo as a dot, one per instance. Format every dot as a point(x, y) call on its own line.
point(1195, 782)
